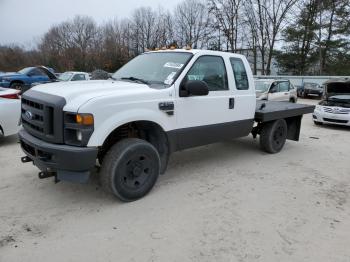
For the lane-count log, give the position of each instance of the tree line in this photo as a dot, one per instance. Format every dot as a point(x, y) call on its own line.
point(300, 36)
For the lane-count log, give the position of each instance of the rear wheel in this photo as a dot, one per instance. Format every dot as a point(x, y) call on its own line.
point(318, 123)
point(273, 136)
point(130, 169)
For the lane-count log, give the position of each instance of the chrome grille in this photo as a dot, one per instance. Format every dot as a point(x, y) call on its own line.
point(336, 110)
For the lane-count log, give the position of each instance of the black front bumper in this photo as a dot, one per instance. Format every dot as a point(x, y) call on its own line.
point(313, 92)
point(68, 162)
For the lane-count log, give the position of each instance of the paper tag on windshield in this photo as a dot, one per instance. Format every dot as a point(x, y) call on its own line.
point(173, 65)
point(169, 79)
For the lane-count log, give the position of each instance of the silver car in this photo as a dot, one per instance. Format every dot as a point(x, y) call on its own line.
point(275, 90)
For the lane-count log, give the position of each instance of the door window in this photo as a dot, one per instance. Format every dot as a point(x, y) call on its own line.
point(239, 73)
point(78, 77)
point(283, 86)
point(210, 69)
point(36, 72)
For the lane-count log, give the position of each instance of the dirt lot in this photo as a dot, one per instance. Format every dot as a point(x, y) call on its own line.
point(223, 202)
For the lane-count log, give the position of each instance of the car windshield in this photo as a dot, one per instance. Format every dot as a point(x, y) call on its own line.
point(25, 71)
point(311, 85)
point(65, 76)
point(262, 86)
point(159, 68)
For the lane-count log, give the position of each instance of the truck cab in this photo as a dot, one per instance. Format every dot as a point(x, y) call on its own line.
point(158, 103)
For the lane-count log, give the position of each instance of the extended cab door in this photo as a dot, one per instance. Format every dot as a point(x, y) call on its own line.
point(213, 117)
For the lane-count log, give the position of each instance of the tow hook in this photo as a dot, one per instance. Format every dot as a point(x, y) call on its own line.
point(26, 159)
point(47, 174)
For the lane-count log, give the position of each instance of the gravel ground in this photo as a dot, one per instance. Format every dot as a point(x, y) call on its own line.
point(223, 202)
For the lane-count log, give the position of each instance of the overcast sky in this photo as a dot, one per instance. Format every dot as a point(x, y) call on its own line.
point(24, 21)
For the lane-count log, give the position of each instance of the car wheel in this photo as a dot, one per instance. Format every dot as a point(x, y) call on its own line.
point(17, 86)
point(130, 169)
point(273, 136)
point(292, 100)
point(318, 123)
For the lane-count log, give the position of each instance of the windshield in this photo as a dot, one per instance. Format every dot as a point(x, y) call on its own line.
point(262, 86)
point(160, 68)
point(65, 76)
point(25, 71)
point(311, 85)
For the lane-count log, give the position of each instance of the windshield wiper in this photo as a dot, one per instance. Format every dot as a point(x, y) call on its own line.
point(135, 79)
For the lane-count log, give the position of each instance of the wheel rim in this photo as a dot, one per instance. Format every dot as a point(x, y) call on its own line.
point(278, 136)
point(136, 172)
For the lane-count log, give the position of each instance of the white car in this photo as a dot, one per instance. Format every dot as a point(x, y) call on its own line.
point(10, 111)
point(335, 107)
point(74, 76)
point(275, 90)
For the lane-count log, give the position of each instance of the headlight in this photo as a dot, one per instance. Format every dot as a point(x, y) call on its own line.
point(78, 128)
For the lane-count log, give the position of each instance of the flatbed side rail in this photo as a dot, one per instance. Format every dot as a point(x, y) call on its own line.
point(268, 111)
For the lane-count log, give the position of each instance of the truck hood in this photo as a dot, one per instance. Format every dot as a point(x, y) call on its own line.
point(80, 92)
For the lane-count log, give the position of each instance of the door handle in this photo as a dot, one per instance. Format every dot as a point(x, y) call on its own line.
point(231, 103)
point(286, 93)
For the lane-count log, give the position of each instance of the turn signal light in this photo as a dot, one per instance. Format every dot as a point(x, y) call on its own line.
point(85, 119)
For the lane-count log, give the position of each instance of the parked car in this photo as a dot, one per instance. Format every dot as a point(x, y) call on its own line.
point(68, 76)
point(10, 111)
point(310, 89)
point(23, 79)
point(74, 76)
point(100, 74)
point(158, 103)
point(275, 90)
point(335, 106)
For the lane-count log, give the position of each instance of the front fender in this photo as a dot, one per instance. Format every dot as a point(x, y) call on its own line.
point(108, 125)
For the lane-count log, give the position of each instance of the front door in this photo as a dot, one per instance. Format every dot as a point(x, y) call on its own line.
point(205, 119)
point(279, 91)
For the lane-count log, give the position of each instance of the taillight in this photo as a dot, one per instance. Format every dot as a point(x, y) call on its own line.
point(10, 96)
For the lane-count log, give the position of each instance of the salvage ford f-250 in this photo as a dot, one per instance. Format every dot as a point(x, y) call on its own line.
point(158, 103)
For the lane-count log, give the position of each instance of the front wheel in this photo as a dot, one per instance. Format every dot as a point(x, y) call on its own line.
point(130, 169)
point(17, 86)
point(273, 136)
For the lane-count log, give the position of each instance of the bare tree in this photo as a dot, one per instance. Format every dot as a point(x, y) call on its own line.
point(192, 23)
point(226, 13)
point(267, 18)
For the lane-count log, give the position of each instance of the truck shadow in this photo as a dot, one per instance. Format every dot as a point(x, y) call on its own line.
point(9, 140)
point(210, 156)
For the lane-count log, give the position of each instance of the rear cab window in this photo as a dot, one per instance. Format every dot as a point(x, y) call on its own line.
point(239, 73)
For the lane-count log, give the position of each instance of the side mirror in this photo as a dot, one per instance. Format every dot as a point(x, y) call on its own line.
point(194, 88)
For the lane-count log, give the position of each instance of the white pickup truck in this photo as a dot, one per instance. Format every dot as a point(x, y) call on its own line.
point(158, 103)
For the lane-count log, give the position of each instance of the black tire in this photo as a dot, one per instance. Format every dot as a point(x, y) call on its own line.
point(130, 169)
point(292, 100)
point(17, 85)
point(273, 136)
point(318, 123)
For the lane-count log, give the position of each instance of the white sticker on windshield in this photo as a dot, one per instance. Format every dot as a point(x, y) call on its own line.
point(169, 79)
point(173, 65)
